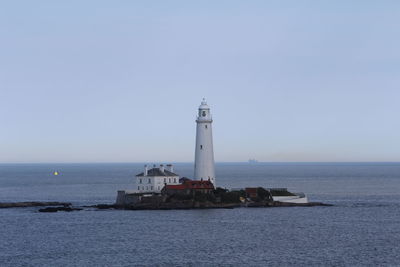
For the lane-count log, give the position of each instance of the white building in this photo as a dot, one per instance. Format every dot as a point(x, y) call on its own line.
point(153, 180)
point(204, 155)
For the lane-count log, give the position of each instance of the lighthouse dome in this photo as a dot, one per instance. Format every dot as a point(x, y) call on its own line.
point(204, 104)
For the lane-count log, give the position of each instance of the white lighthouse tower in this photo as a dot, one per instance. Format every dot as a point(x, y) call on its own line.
point(204, 155)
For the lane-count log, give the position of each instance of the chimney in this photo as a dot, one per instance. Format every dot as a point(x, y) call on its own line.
point(162, 168)
point(170, 167)
point(145, 170)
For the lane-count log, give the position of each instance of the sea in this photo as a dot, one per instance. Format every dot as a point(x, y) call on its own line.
point(362, 228)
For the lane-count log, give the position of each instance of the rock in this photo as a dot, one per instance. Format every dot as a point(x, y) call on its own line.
point(55, 209)
point(309, 204)
point(261, 204)
point(104, 206)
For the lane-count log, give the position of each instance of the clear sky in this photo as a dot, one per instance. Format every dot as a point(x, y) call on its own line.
point(120, 81)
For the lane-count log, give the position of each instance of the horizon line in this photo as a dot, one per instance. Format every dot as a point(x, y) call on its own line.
point(191, 162)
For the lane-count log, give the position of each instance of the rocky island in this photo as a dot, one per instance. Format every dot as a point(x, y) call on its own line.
point(202, 195)
point(162, 188)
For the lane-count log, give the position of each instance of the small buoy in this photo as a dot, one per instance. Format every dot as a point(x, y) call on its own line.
point(55, 173)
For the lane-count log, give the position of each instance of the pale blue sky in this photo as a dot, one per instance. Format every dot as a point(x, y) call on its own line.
point(110, 81)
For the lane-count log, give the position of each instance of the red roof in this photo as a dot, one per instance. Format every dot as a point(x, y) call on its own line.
point(192, 184)
point(175, 187)
point(251, 190)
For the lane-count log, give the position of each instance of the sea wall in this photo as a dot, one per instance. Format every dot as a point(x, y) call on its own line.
point(291, 199)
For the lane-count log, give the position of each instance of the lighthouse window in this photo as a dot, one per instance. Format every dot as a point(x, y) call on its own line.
point(204, 113)
point(206, 126)
point(149, 181)
point(201, 146)
point(140, 180)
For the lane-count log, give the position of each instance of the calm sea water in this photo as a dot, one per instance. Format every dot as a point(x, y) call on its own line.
point(362, 229)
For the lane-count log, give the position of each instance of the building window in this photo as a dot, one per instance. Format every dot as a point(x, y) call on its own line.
point(138, 188)
point(151, 187)
point(206, 126)
point(174, 180)
point(140, 180)
point(149, 181)
point(165, 180)
point(147, 188)
point(169, 179)
point(158, 188)
point(201, 146)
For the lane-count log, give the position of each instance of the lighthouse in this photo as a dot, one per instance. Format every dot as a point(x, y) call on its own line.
point(204, 155)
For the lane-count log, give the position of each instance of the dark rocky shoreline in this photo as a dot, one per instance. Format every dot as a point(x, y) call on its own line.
point(205, 205)
point(287, 204)
point(27, 204)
